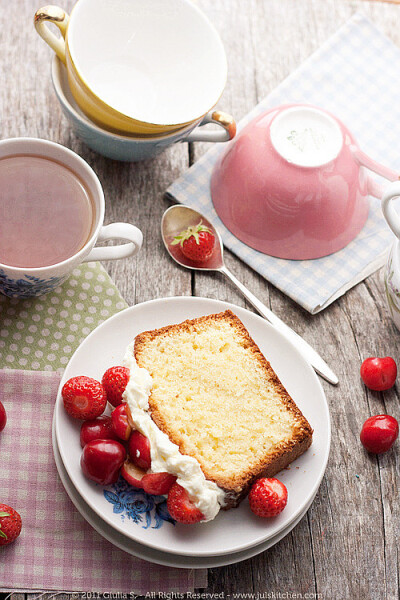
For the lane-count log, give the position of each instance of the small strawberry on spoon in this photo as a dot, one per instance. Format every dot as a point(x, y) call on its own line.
point(196, 242)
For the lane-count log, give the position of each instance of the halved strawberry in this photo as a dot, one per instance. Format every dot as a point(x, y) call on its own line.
point(84, 397)
point(158, 483)
point(180, 506)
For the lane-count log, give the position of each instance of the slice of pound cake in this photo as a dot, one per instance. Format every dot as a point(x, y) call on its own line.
point(216, 397)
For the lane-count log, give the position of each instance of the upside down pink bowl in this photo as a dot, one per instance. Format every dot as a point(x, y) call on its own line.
point(293, 183)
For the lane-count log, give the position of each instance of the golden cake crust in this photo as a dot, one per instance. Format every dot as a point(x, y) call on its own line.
point(282, 455)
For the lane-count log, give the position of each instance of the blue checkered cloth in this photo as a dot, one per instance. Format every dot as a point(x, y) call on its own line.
point(356, 76)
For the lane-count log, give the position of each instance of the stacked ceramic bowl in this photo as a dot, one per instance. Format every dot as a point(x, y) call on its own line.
point(139, 523)
point(134, 77)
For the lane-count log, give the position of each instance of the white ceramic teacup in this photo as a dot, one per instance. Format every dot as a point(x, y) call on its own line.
point(34, 281)
point(138, 67)
point(126, 147)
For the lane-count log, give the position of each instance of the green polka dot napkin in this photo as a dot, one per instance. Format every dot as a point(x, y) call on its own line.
point(41, 334)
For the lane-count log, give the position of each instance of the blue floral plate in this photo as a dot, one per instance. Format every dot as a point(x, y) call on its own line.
point(150, 554)
point(144, 519)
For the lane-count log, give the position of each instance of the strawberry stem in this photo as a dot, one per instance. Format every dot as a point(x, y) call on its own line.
point(3, 514)
point(193, 230)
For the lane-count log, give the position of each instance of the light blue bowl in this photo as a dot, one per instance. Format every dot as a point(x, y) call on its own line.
point(128, 148)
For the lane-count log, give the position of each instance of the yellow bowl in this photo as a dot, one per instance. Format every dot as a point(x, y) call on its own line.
point(137, 68)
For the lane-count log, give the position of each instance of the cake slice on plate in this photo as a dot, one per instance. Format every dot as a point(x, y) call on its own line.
point(216, 397)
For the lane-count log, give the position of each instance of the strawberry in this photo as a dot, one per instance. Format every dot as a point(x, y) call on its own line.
point(181, 508)
point(10, 524)
point(114, 381)
point(268, 497)
point(196, 242)
point(84, 397)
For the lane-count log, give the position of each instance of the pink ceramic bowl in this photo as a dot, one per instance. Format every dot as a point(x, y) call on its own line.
point(292, 183)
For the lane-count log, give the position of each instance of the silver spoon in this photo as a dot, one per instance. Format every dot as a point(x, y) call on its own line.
point(179, 217)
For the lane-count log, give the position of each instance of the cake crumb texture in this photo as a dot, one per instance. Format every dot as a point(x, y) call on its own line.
point(217, 397)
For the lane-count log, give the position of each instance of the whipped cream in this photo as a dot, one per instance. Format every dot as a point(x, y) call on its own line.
point(165, 455)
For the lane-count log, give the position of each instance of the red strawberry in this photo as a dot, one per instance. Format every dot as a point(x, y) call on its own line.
point(10, 524)
point(181, 508)
point(196, 242)
point(114, 381)
point(84, 397)
point(268, 497)
point(158, 483)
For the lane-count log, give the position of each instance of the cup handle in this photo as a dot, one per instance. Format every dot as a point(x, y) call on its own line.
point(57, 16)
point(124, 231)
point(374, 188)
point(223, 120)
point(390, 193)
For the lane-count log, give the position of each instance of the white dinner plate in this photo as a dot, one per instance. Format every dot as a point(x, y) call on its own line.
point(150, 554)
point(136, 515)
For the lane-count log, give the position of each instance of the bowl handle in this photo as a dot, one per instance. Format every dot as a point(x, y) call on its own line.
point(391, 193)
point(124, 231)
point(57, 16)
point(223, 120)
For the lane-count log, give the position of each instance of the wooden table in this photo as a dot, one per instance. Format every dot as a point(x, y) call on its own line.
point(345, 546)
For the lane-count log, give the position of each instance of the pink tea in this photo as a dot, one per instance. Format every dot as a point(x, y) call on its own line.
point(46, 212)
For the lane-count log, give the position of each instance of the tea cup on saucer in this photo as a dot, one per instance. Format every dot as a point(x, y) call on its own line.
point(127, 147)
point(138, 68)
point(55, 217)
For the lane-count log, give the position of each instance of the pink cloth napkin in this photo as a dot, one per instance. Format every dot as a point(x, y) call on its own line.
point(57, 548)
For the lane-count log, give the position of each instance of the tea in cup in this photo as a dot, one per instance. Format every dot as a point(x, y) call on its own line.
point(140, 68)
point(51, 215)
